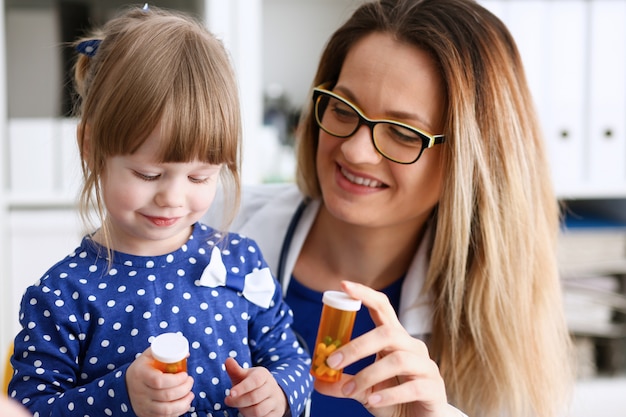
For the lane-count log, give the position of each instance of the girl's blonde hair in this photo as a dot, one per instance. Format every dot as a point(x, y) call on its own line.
point(499, 333)
point(156, 66)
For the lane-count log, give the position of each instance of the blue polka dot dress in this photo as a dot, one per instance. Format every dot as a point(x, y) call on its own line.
point(84, 322)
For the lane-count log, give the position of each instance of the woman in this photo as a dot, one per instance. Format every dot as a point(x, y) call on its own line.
point(426, 183)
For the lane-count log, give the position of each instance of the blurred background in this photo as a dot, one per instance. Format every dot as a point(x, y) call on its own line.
point(574, 53)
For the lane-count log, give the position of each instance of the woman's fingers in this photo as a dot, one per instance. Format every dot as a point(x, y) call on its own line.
point(379, 341)
point(377, 303)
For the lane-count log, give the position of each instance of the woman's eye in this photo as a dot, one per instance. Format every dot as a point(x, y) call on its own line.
point(146, 177)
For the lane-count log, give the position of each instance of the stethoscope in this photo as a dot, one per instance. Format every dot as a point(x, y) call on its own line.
point(291, 230)
point(282, 260)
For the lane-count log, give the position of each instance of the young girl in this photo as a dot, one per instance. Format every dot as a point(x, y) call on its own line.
point(159, 124)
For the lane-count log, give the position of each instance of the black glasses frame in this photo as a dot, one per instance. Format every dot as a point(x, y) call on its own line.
point(428, 140)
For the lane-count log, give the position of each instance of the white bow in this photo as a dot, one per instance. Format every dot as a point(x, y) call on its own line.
point(258, 286)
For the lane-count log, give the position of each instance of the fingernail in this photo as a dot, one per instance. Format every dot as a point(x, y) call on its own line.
point(334, 360)
point(348, 388)
point(374, 399)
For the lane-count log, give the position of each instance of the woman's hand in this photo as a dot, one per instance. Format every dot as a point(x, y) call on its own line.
point(403, 381)
point(156, 394)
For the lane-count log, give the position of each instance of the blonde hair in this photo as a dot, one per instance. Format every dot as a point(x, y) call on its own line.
point(156, 66)
point(499, 333)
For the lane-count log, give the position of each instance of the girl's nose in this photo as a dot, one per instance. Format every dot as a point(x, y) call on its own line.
point(170, 194)
point(359, 148)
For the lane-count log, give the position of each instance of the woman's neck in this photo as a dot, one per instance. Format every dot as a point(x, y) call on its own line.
point(375, 256)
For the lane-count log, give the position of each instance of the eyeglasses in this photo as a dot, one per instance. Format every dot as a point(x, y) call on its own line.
point(396, 141)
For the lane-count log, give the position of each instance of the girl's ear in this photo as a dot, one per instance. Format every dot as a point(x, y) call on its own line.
point(83, 137)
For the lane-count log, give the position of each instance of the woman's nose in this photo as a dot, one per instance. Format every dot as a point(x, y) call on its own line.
point(359, 148)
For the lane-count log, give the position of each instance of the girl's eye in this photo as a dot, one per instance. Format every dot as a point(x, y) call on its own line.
point(199, 180)
point(146, 177)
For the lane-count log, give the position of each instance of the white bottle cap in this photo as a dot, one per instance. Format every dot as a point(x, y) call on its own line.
point(341, 301)
point(170, 347)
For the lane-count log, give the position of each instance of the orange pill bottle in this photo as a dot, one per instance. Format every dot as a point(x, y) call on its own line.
point(335, 330)
point(170, 351)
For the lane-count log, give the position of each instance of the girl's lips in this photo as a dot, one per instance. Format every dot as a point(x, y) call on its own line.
point(162, 221)
point(362, 181)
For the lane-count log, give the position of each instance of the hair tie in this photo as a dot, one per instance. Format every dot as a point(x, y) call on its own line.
point(89, 47)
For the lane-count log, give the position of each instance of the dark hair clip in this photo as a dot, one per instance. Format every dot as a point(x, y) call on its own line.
point(89, 47)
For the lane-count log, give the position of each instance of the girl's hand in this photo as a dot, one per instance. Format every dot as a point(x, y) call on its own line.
point(255, 392)
point(403, 381)
point(156, 394)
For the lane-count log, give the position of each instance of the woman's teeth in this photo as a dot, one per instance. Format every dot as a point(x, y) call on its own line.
point(360, 180)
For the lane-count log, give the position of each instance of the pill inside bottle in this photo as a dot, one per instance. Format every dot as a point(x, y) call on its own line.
point(170, 351)
point(335, 330)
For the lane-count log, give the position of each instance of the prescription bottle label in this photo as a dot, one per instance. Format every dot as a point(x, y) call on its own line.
point(335, 330)
point(170, 351)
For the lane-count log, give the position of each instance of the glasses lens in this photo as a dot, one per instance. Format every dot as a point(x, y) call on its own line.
point(398, 142)
point(336, 117)
point(393, 140)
